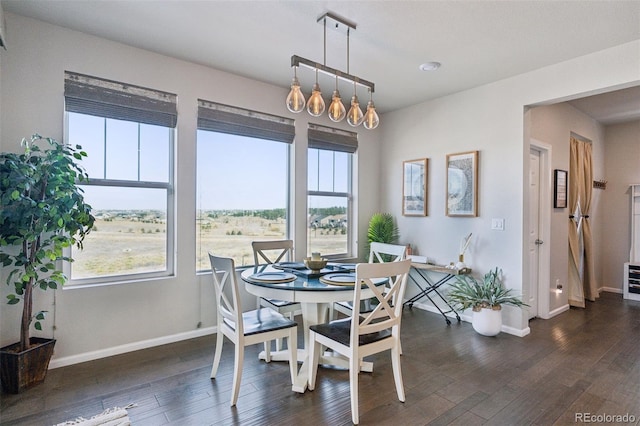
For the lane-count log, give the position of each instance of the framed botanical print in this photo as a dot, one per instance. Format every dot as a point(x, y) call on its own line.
point(414, 187)
point(462, 184)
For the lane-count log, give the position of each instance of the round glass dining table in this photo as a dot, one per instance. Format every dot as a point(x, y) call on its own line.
point(315, 298)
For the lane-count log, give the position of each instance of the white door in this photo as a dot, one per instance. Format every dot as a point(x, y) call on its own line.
point(534, 231)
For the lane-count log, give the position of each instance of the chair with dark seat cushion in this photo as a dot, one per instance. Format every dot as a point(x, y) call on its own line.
point(271, 252)
point(375, 331)
point(378, 252)
point(245, 328)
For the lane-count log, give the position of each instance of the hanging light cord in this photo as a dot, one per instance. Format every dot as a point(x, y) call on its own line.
point(348, 32)
point(325, 42)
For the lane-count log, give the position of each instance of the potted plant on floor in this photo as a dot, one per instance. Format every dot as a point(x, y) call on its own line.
point(485, 297)
point(42, 212)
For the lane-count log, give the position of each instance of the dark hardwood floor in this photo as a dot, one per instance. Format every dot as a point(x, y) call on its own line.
point(582, 361)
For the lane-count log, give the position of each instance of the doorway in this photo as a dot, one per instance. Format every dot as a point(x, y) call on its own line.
point(538, 233)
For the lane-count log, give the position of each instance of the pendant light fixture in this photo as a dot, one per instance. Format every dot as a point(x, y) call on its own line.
point(337, 111)
point(371, 119)
point(355, 116)
point(316, 104)
point(295, 99)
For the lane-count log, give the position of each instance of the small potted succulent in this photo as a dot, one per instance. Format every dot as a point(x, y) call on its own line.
point(485, 297)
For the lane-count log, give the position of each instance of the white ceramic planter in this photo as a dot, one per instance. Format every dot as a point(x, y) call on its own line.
point(487, 322)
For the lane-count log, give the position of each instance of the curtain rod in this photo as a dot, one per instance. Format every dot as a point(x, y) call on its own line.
point(581, 138)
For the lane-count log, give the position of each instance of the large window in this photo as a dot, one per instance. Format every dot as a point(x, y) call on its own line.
point(329, 191)
point(242, 181)
point(128, 134)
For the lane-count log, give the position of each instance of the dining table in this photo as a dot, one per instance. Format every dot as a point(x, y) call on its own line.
point(315, 291)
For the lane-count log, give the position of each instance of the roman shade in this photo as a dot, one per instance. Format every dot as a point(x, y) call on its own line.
point(111, 99)
point(321, 137)
point(222, 118)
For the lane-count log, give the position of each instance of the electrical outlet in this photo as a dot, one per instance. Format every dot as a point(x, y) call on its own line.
point(558, 286)
point(497, 224)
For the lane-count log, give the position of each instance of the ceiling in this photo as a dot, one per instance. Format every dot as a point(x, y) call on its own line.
point(477, 42)
point(613, 107)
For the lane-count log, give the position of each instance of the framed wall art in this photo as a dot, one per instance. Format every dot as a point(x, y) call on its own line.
point(462, 184)
point(559, 189)
point(414, 187)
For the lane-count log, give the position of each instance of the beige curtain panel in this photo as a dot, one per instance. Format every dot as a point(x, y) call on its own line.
point(582, 283)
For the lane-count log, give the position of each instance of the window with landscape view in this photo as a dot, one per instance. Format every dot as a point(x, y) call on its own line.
point(130, 189)
point(329, 191)
point(242, 182)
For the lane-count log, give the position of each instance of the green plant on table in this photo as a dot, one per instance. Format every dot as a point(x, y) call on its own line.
point(382, 229)
point(42, 212)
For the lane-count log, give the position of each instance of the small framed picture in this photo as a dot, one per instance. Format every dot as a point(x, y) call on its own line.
point(462, 184)
point(559, 189)
point(414, 187)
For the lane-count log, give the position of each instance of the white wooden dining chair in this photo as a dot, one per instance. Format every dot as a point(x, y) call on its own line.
point(378, 253)
point(376, 331)
point(271, 252)
point(245, 328)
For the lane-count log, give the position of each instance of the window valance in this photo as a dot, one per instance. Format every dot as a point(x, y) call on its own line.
point(322, 137)
point(106, 98)
point(222, 118)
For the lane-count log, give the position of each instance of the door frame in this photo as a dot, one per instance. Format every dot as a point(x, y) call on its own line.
point(544, 228)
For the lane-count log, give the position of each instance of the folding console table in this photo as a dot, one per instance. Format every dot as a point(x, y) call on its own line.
point(429, 287)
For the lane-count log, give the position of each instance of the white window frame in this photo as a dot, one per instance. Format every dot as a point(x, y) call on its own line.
point(225, 119)
point(349, 196)
point(153, 97)
point(344, 142)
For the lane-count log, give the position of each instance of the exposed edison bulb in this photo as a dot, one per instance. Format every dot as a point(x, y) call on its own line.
point(355, 115)
point(371, 119)
point(295, 98)
point(337, 111)
point(316, 105)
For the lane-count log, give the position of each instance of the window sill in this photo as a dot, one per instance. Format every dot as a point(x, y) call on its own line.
point(130, 281)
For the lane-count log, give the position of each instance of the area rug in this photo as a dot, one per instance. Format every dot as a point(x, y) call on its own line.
point(111, 417)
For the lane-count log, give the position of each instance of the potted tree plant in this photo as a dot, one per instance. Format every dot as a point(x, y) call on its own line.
point(42, 212)
point(485, 297)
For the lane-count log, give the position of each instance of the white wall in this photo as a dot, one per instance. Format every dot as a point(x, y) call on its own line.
point(489, 119)
point(553, 125)
point(622, 151)
point(102, 318)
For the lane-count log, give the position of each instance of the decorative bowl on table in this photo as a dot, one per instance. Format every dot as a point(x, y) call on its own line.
point(315, 264)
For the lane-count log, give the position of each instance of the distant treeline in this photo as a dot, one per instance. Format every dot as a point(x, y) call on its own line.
point(327, 211)
point(275, 214)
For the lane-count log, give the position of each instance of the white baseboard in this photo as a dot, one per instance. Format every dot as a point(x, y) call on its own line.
point(610, 290)
point(467, 318)
point(558, 311)
point(431, 308)
point(516, 331)
point(144, 344)
point(130, 347)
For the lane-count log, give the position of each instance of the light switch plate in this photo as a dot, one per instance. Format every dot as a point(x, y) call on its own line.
point(497, 224)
